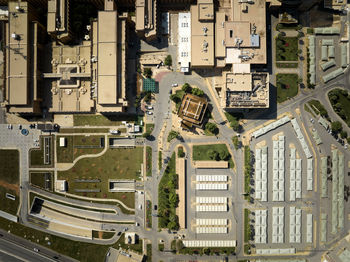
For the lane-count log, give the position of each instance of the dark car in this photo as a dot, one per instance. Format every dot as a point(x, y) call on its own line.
point(155, 207)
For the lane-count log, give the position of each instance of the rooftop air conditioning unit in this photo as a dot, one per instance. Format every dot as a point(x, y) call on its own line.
point(15, 36)
point(19, 9)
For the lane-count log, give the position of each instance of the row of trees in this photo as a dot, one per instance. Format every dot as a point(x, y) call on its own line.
point(193, 90)
point(335, 97)
point(218, 155)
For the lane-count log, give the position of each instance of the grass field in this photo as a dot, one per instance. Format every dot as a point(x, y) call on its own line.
point(84, 130)
point(102, 234)
point(149, 128)
point(287, 65)
point(318, 108)
point(121, 243)
point(148, 213)
point(38, 179)
point(9, 179)
point(37, 155)
point(200, 152)
point(104, 120)
point(288, 47)
point(246, 225)
point(340, 104)
point(149, 161)
point(287, 86)
point(149, 252)
point(9, 167)
point(72, 149)
point(114, 164)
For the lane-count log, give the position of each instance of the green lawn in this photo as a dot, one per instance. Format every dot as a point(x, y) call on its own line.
point(74, 147)
point(84, 130)
point(247, 169)
point(246, 225)
point(148, 213)
point(341, 103)
point(37, 155)
point(43, 179)
point(149, 253)
point(160, 160)
point(9, 177)
point(8, 205)
point(201, 152)
point(9, 167)
point(102, 234)
point(287, 65)
point(287, 49)
point(177, 98)
point(149, 161)
point(167, 197)
point(114, 164)
point(149, 128)
point(287, 86)
point(102, 120)
point(318, 108)
point(121, 243)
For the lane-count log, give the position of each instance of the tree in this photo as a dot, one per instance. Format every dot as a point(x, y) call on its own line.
point(235, 142)
point(223, 154)
point(168, 61)
point(186, 88)
point(172, 225)
point(146, 134)
point(235, 125)
point(343, 134)
point(148, 97)
point(179, 245)
point(147, 72)
point(197, 92)
point(212, 154)
point(212, 128)
point(278, 27)
point(336, 126)
point(175, 98)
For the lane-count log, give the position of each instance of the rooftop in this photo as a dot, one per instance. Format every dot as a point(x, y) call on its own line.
point(192, 109)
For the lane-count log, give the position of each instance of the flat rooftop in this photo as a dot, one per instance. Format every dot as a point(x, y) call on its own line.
point(17, 54)
point(107, 57)
point(235, 31)
point(192, 108)
point(202, 41)
point(239, 82)
point(205, 9)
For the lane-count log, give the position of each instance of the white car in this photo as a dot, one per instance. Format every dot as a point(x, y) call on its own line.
point(149, 113)
point(174, 85)
point(36, 250)
point(149, 107)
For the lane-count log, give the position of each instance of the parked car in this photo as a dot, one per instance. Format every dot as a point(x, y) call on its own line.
point(174, 85)
point(35, 249)
point(149, 107)
point(149, 113)
point(155, 207)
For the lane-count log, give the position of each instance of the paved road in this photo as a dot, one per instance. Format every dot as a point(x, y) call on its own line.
point(13, 248)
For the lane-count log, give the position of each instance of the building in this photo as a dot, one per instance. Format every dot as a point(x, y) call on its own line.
point(184, 41)
point(58, 20)
point(335, 4)
point(146, 18)
point(202, 30)
point(109, 59)
point(192, 110)
point(24, 38)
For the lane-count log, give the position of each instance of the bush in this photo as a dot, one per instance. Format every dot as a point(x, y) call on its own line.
point(147, 72)
point(235, 142)
point(212, 128)
point(172, 135)
point(336, 126)
point(343, 134)
point(197, 92)
point(180, 152)
point(168, 60)
point(186, 88)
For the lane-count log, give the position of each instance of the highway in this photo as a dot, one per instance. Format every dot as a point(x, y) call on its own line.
point(13, 249)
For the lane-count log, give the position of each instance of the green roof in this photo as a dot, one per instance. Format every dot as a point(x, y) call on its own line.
point(150, 85)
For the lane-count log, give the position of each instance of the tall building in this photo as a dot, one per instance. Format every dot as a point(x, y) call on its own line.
point(109, 59)
point(23, 44)
point(146, 18)
point(58, 24)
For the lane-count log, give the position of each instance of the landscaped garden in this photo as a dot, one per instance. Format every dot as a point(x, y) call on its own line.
point(148, 213)
point(149, 161)
point(340, 101)
point(9, 179)
point(212, 152)
point(36, 156)
point(102, 120)
point(286, 48)
point(114, 164)
point(318, 108)
point(77, 146)
point(247, 171)
point(167, 197)
point(287, 86)
point(42, 179)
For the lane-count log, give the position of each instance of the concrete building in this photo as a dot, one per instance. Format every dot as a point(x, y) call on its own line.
point(58, 20)
point(335, 4)
point(192, 110)
point(146, 18)
point(23, 45)
point(109, 59)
